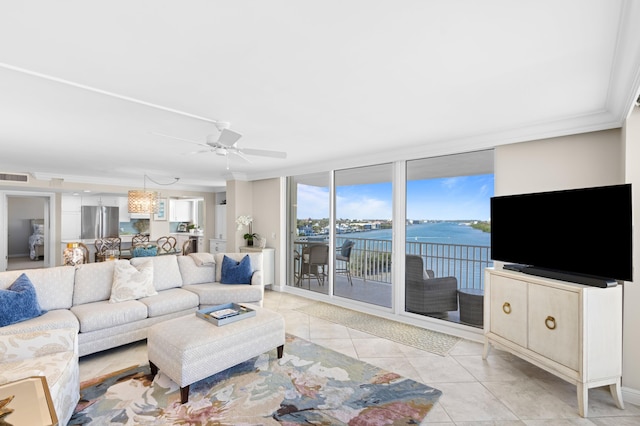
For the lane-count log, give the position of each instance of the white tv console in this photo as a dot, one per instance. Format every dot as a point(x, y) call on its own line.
point(570, 330)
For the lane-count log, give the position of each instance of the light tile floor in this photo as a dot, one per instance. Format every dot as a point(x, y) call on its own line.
point(502, 390)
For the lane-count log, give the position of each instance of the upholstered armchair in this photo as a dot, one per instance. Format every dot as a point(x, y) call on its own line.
point(425, 294)
point(49, 353)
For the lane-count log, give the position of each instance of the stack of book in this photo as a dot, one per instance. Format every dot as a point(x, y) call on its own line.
point(225, 314)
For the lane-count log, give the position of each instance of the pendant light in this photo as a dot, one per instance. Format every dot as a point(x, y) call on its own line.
point(145, 201)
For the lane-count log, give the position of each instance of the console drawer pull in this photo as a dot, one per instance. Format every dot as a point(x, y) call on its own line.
point(506, 308)
point(550, 322)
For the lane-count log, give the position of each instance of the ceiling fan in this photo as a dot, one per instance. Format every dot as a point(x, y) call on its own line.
point(227, 142)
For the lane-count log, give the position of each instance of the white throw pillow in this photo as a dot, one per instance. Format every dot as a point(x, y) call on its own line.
point(130, 283)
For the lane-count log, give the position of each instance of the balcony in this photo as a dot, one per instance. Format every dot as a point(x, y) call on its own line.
point(371, 269)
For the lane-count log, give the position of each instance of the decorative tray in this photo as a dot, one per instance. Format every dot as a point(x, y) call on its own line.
point(225, 314)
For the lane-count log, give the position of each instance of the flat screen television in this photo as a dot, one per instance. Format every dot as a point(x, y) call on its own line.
point(580, 235)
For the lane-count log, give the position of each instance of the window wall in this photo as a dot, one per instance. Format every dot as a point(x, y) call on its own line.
point(448, 234)
point(363, 234)
point(343, 243)
point(309, 236)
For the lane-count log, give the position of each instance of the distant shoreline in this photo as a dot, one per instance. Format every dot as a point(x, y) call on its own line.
point(482, 226)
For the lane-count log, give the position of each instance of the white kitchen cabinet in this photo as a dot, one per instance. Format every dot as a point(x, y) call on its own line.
point(570, 330)
point(123, 212)
point(71, 226)
point(71, 208)
point(268, 262)
point(220, 223)
point(181, 211)
point(180, 239)
point(217, 246)
point(98, 200)
point(71, 203)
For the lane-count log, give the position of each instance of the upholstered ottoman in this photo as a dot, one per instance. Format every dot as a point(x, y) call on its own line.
point(188, 349)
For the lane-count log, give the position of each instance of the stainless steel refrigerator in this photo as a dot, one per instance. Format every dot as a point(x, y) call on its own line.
point(99, 222)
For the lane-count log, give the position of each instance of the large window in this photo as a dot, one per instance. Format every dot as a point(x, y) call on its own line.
point(364, 230)
point(309, 231)
point(447, 231)
point(360, 252)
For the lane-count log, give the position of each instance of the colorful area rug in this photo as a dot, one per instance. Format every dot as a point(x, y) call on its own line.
point(410, 335)
point(309, 385)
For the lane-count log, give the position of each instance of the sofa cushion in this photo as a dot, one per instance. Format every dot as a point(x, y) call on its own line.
point(19, 302)
point(166, 273)
point(53, 319)
point(20, 346)
point(131, 282)
point(54, 286)
point(218, 294)
point(170, 301)
point(234, 272)
point(194, 274)
point(93, 282)
point(101, 315)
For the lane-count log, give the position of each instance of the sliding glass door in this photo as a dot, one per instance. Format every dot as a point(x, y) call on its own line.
point(309, 221)
point(363, 234)
point(447, 232)
point(359, 253)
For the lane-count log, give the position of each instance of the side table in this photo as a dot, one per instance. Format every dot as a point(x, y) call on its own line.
point(32, 402)
point(471, 302)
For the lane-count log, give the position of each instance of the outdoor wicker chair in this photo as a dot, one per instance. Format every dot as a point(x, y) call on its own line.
point(344, 255)
point(426, 294)
point(314, 260)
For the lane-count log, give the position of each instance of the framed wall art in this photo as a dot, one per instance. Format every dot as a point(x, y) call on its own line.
point(162, 210)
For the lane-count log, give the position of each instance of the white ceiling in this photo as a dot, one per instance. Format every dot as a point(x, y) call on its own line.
point(85, 85)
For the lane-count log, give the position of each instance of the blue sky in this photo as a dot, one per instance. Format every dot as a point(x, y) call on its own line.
point(464, 197)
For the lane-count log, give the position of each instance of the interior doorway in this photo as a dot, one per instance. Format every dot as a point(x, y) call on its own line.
point(27, 236)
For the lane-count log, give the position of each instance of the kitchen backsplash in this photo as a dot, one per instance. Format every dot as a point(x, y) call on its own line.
point(136, 226)
point(131, 228)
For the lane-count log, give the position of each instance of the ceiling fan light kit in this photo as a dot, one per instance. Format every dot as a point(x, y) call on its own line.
point(227, 142)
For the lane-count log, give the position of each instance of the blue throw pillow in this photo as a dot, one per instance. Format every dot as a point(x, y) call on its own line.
point(19, 302)
point(236, 272)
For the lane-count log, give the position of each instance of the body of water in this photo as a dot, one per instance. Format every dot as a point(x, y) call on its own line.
point(438, 232)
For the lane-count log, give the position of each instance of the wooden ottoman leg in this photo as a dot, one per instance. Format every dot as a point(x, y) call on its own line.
point(184, 394)
point(280, 351)
point(154, 368)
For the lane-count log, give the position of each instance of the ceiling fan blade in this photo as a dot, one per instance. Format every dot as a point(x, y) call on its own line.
point(263, 153)
point(180, 139)
point(239, 154)
point(228, 137)
point(202, 151)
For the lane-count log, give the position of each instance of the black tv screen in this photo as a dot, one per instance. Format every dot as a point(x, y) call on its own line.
point(581, 231)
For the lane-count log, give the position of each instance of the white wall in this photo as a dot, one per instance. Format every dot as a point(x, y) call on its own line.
point(267, 213)
point(239, 203)
point(20, 212)
point(631, 313)
point(591, 159)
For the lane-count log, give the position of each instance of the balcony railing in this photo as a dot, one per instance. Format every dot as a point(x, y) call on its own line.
point(371, 260)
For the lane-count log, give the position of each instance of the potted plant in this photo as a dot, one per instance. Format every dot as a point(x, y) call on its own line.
point(249, 238)
point(192, 228)
point(243, 221)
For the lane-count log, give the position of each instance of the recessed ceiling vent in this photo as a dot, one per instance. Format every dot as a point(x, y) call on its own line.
point(14, 177)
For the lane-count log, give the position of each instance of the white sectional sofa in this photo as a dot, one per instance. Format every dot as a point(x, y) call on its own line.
point(77, 299)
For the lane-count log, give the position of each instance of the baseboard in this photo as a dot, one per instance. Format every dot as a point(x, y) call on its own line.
point(18, 255)
point(631, 396)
